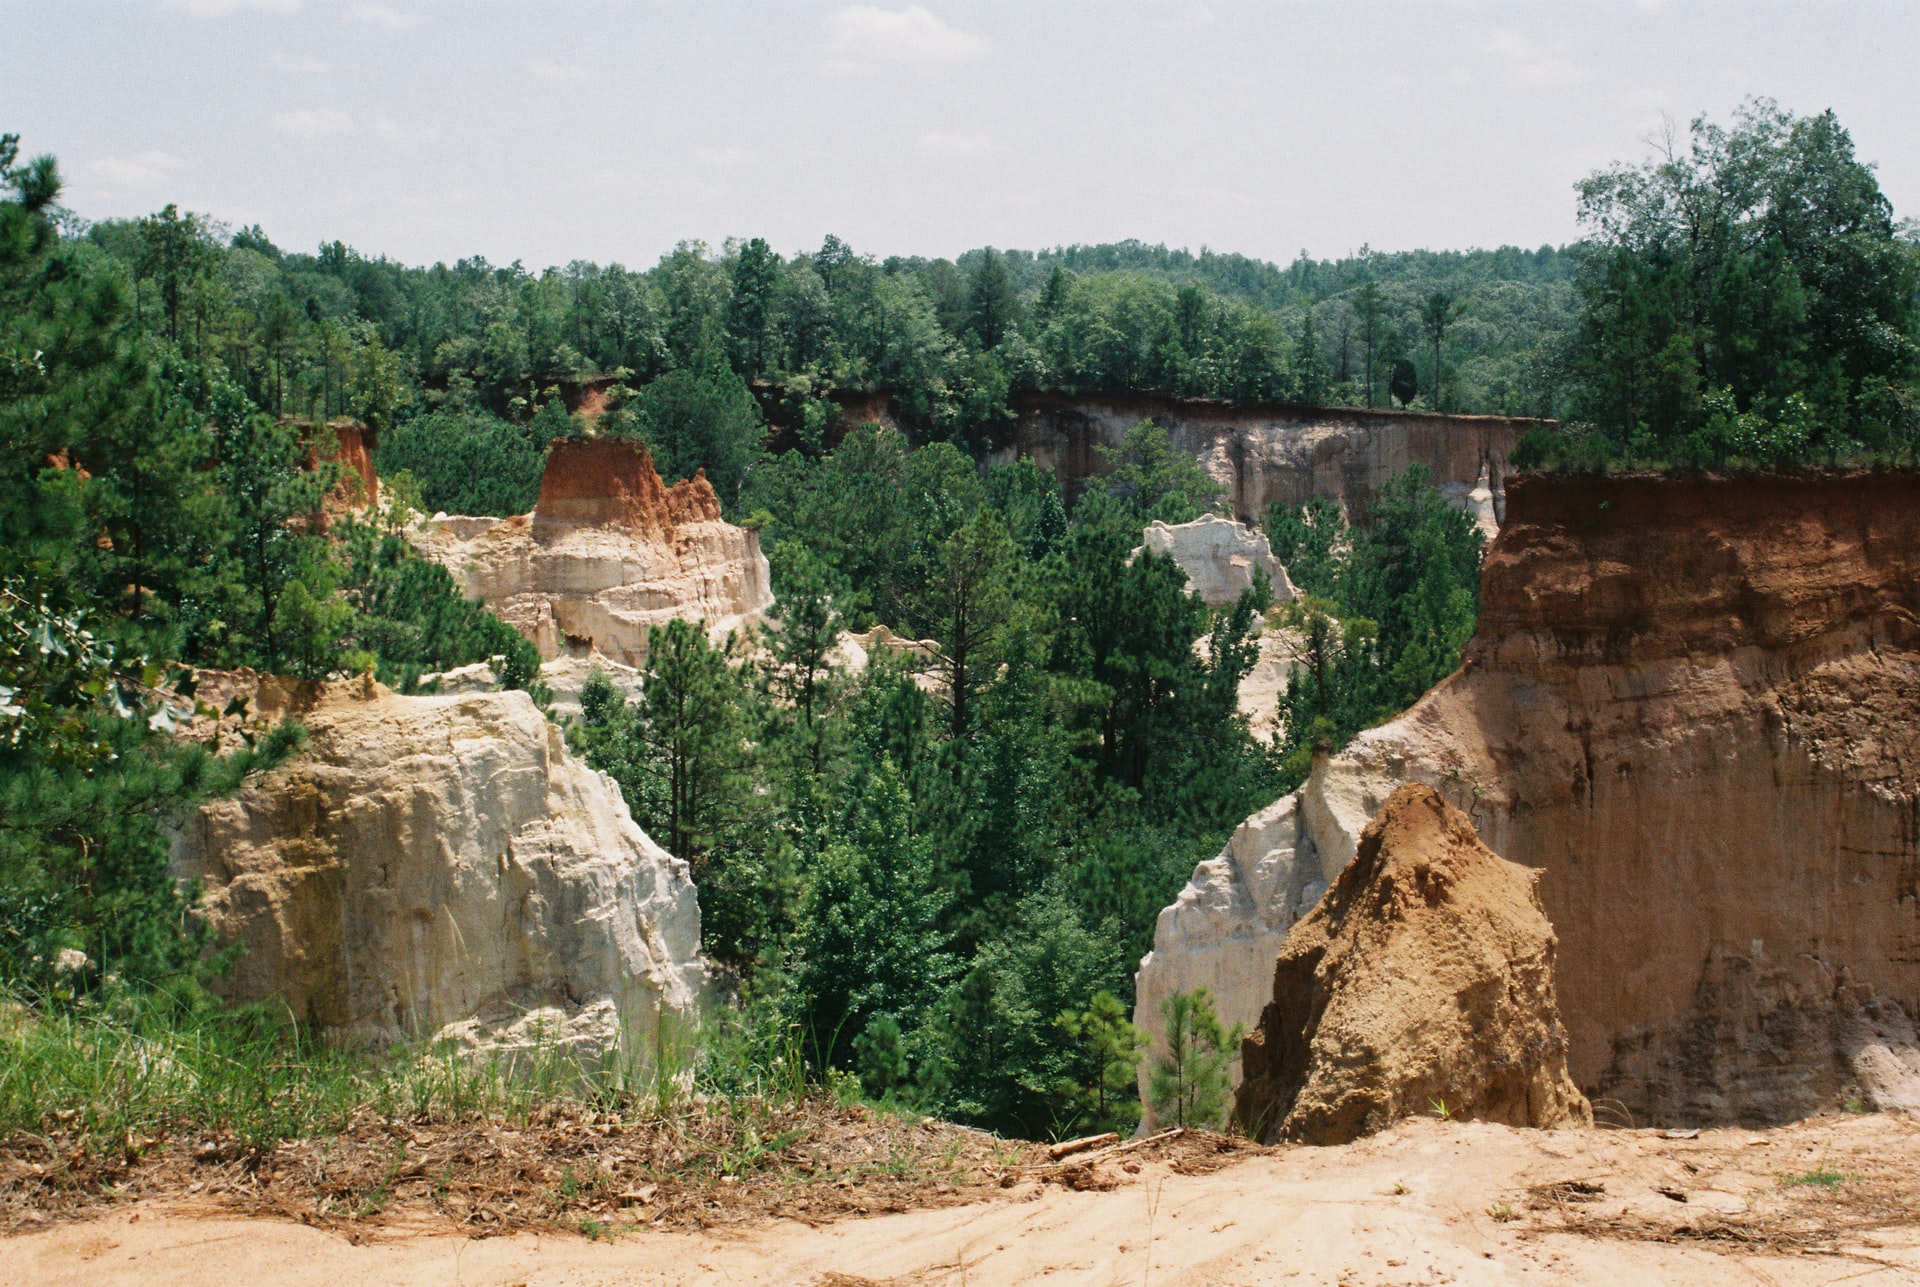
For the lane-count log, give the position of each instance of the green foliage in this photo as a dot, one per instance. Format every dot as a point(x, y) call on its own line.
point(411, 617)
point(1150, 480)
point(704, 419)
point(1106, 1050)
point(1748, 299)
point(467, 462)
point(1188, 1083)
point(680, 756)
point(1384, 613)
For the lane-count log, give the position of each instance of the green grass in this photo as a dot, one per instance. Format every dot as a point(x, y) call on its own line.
point(1822, 1176)
point(119, 1074)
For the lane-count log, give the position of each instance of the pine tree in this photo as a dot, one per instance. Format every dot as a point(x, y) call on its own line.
point(1189, 1084)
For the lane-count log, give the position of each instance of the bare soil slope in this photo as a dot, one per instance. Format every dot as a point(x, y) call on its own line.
point(1425, 1202)
point(1424, 978)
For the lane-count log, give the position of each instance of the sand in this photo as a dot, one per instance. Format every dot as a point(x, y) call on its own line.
point(1426, 1202)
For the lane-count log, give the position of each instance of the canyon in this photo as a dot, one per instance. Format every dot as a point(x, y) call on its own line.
point(1693, 703)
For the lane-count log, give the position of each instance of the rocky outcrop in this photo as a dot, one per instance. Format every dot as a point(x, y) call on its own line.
point(1219, 557)
point(1423, 977)
point(1283, 454)
point(1694, 704)
point(442, 867)
point(608, 552)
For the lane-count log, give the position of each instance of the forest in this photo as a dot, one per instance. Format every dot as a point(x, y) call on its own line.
point(939, 890)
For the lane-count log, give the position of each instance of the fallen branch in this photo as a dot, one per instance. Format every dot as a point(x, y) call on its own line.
point(1081, 1145)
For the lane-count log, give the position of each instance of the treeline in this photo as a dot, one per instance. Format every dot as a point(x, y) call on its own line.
point(454, 362)
point(1745, 298)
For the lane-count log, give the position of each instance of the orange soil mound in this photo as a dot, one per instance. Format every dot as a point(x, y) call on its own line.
point(1423, 977)
point(610, 482)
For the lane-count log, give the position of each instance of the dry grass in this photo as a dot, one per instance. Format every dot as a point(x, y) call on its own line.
point(569, 1166)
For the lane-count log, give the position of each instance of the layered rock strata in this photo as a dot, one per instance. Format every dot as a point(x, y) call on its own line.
point(1694, 703)
point(1421, 982)
point(1219, 557)
point(442, 867)
point(1262, 455)
point(608, 552)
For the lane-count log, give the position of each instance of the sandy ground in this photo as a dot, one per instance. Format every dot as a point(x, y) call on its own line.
point(1428, 1202)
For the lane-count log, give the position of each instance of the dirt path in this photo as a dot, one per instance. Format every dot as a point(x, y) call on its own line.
point(1428, 1202)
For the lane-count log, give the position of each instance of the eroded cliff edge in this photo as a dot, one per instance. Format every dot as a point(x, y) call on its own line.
point(1695, 704)
point(442, 867)
point(608, 552)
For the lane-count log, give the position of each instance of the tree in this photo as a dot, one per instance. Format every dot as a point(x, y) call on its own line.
point(1763, 260)
point(1188, 1084)
point(964, 600)
point(704, 419)
point(1152, 480)
point(992, 306)
point(1107, 1050)
point(750, 308)
point(1309, 363)
point(1436, 314)
point(1403, 383)
point(175, 254)
point(1373, 311)
point(689, 717)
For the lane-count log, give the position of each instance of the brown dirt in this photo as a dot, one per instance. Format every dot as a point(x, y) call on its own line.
point(1424, 1202)
point(602, 482)
point(568, 1169)
point(1423, 978)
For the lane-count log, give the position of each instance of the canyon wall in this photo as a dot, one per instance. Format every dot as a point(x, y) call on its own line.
point(441, 867)
point(1260, 454)
point(1694, 704)
point(608, 552)
point(1279, 453)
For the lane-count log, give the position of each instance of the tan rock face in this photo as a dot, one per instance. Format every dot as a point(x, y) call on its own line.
point(1219, 557)
point(1423, 977)
point(441, 865)
point(608, 552)
point(1695, 705)
point(1285, 454)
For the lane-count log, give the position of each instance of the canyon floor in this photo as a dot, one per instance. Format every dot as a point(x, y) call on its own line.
point(1829, 1200)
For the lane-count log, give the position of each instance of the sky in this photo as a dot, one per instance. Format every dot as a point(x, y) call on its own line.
point(551, 130)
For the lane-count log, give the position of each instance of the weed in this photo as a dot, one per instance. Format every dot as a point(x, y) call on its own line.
point(1822, 1176)
point(1438, 1107)
point(1502, 1212)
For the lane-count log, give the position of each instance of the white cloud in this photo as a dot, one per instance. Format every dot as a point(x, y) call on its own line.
point(225, 8)
point(313, 122)
point(1530, 63)
point(306, 63)
point(862, 35)
point(383, 16)
point(725, 157)
point(141, 170)
point(547, 69)
point(953, 146)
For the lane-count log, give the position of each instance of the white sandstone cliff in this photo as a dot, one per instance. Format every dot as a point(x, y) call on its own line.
point(608, 552)
point(1219, 557)
point(441, 867)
